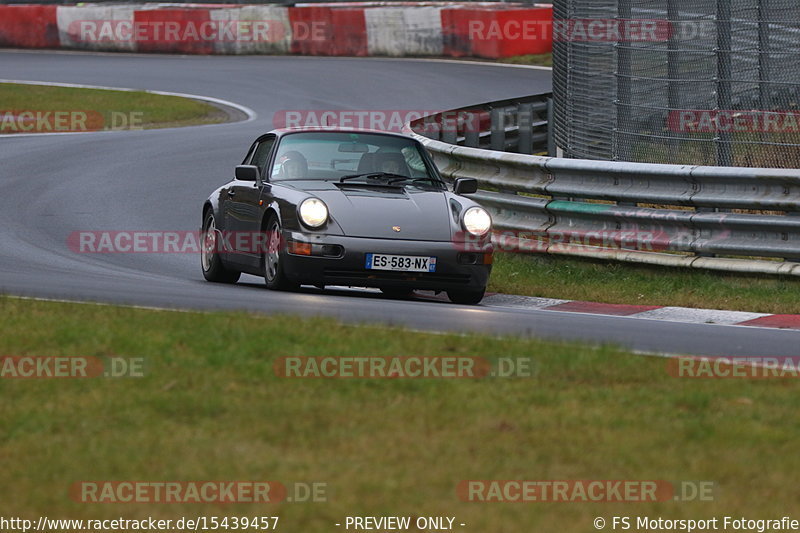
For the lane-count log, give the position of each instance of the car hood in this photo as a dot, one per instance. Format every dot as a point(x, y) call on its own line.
point(376, 212)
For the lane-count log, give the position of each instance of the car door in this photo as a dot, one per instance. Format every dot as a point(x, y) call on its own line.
point(242, 211)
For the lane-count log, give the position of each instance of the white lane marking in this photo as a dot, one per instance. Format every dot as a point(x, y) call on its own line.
point(251, 115)
point(700, 316)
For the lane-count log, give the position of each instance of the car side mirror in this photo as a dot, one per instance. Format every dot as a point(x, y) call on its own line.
point(248, 173)
point(465, 186)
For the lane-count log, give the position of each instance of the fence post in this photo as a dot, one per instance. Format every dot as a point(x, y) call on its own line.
point(763, 55)
point(723, 79)
point(621, 143)
point(673, 74)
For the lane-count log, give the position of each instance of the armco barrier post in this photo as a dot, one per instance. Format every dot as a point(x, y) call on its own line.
point(449, 131)
point(497, 138)
point(472, 133)
point(525, 129)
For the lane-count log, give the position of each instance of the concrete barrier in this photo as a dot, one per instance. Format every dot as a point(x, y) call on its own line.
point(404, 31)
point(342, 29)
point(270, 30)
point(29, 27)
point(96, 28)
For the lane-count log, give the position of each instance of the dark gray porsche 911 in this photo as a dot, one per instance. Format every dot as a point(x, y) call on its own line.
point(355, 208)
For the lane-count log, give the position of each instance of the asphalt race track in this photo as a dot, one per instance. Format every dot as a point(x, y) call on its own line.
point(156, 180)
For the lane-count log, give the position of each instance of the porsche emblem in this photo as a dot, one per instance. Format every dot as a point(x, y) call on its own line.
point(396, 228)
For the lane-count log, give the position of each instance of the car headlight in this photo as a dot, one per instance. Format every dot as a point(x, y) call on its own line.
point(313, 212)
point(477, 221)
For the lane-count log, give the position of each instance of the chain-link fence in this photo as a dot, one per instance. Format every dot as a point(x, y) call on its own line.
point(712, 82)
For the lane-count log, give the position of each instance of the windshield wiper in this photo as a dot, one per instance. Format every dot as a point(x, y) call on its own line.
point(413, 180)
point(371, 175)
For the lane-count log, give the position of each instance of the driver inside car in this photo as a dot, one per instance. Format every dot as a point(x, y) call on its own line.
point(392, 167)
point(392, 163)
point(293, 165)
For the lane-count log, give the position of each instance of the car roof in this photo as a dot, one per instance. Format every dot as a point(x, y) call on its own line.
point(331, 129)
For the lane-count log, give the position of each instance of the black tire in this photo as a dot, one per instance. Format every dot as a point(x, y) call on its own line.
point(398, 293)
point(466, 297)
point(272, 259)
point(210, 262)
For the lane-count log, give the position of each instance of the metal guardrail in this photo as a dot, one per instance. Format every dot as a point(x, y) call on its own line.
point(722, 218)
point(513, 125)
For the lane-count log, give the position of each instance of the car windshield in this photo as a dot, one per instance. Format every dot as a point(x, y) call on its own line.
point(352, 158)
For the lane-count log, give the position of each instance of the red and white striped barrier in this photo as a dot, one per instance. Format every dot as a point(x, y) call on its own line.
point(341, 29)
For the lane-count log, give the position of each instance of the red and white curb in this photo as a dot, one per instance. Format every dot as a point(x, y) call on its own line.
point(652, 312)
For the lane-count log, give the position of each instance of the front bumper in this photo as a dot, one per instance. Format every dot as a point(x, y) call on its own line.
point(348, 269)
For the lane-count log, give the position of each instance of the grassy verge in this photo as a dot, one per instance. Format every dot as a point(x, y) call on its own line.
point(97, 109)
point(211, 408)
point(542, 60)
point(600, 281)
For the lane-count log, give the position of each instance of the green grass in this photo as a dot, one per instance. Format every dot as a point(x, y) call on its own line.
point(103, 106)
point(211, 408)
point(624, 283)
point(542, 60)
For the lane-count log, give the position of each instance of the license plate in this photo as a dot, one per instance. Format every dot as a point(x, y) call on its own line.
point(405, 263)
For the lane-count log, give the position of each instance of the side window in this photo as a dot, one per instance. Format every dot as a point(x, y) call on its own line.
point(262, 154)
